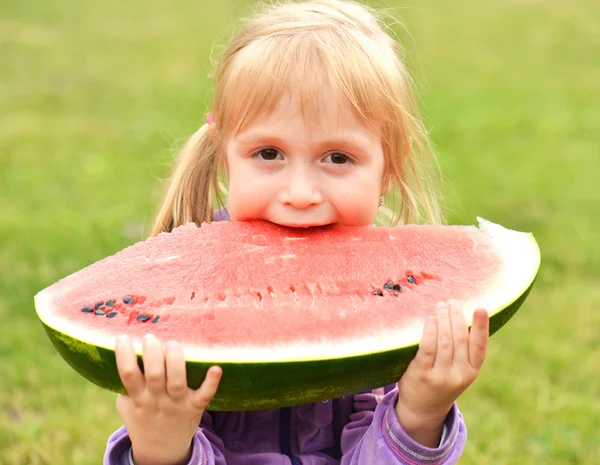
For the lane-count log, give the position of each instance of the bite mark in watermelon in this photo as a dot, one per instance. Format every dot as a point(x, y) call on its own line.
point(292, 316)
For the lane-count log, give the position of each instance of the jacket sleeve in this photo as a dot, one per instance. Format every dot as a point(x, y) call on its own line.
point(207, 447)
point(374, 435)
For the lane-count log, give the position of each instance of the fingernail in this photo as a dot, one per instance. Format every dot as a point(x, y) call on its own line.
point(172, 344)
point(453, 302)
point(441, 305)
point(482, 311)
point(122, 338)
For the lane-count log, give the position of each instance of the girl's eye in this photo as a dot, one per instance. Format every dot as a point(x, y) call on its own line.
point(268, 154)
point(338, 158)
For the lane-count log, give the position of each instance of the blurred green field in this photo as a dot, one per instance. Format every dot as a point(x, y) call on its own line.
point(95, 96)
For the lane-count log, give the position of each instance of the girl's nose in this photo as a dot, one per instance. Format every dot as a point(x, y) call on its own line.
point(302, 191)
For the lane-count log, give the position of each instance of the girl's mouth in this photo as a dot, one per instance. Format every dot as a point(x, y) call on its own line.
point(303, 225)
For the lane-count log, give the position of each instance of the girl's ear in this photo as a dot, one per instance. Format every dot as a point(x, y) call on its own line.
point(386, 185)
point(223, 160)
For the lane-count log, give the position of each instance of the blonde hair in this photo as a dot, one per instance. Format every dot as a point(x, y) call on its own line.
point(299, 48)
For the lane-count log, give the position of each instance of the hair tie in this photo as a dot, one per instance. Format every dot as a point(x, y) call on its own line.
point(210, 118)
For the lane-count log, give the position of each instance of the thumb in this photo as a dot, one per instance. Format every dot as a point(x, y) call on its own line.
point(207, 390)
point(123, 404)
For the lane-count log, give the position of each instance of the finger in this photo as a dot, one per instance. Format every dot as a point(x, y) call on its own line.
point(443, 357)
point(478, 339)
point(460, 334)
point(128, 368)
point(204, 394)
point(122, 404)
point(154, 365)
point(175, 369)
point(425, 358)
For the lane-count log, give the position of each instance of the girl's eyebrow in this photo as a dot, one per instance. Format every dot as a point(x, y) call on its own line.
point(253, 138)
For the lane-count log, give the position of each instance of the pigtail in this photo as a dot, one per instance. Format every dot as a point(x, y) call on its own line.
point(193, 183)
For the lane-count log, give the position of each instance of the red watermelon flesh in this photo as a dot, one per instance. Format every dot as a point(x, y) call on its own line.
point(247, 291)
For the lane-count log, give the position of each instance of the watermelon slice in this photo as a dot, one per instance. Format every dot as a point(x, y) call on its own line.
point(292, 316)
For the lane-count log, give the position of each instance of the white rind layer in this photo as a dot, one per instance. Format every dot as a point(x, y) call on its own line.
point(521, 261)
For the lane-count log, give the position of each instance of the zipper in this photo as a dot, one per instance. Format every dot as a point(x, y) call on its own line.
point(285, 428)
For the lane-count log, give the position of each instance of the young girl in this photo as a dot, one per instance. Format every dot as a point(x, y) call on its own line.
point(313, 121)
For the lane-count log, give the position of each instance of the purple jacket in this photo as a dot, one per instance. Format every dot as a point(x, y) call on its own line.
point(352, 430)
point(361, 429)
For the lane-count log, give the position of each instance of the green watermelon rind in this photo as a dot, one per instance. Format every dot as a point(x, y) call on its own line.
point(256, 385)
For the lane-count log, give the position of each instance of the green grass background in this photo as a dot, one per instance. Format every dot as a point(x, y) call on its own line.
point(94, 97)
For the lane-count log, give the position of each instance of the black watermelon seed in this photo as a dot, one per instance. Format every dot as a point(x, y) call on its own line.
point(112, 314)
point(110, 303)
point(87, 309)
point(377, 292)
point(98, 305)
point(127, 299)
point(389, 285)
point(100, 312)
point(397, 287)
point(142, 317)
point(155, 319)
point(411, 279)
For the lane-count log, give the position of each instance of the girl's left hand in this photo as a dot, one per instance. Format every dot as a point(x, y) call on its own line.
point(448, 362)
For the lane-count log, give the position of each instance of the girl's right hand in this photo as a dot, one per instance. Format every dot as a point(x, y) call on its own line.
point(161, 413)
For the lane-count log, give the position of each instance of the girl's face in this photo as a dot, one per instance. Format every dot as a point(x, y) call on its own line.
point(301, 173)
